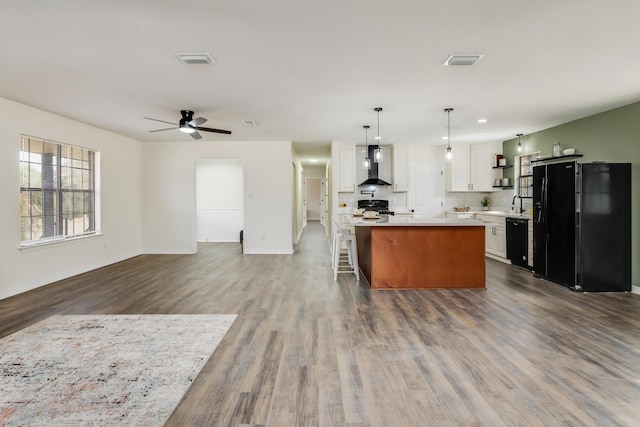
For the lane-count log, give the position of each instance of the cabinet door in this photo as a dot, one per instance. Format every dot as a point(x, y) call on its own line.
point(491, 244)
point(400, 168)
point(458, 173)
point(481, 166)
point(501, 240)
point(347, 182)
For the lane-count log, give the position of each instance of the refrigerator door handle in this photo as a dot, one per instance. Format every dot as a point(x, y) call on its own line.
point(543, 208)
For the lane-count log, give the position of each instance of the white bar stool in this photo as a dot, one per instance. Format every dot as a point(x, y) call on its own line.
point(347, 261)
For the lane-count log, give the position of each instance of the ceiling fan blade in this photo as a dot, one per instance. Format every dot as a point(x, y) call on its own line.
point(197, 121)
point(161, 121)
point(227, 132)
point(160, 130)
point(195, 135)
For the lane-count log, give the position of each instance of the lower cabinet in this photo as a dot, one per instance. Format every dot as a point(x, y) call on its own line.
point(495, 235)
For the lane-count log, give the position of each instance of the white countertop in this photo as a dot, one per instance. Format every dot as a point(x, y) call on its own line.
point(349, 220)
point(503, 214)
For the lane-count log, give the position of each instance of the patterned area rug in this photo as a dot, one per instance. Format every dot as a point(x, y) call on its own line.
point(128, 370)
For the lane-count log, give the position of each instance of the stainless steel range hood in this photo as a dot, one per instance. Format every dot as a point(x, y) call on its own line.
point(373, 172)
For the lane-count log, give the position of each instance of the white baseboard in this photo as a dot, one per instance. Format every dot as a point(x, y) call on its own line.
point(170, 252)
point(270, 252)
point(635, 289)
point(47, 280)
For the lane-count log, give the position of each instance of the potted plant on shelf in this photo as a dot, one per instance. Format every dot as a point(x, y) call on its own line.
point(485, 203)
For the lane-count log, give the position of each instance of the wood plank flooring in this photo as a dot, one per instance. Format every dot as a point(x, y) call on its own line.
point(308, 351)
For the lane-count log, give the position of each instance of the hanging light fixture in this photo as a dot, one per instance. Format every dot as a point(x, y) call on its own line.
point(367, 160)
point(377, 153)
point(449, 153)
point(519, 135)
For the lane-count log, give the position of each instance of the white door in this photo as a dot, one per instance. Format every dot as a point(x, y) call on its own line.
point(426, 189)
point(313, 199)
point(323, 202)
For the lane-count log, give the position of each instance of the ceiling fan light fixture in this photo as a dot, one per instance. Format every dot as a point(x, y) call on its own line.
point(186, 129)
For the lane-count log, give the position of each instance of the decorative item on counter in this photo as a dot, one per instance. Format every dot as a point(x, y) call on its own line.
point(569, 151)
point(557, 150)
point(485, 203)
point(357, 212)
point(462, 209)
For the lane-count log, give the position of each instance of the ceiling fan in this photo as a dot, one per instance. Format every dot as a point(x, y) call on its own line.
point(189, 125)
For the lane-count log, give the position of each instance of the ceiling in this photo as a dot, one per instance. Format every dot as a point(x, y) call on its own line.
point(311, 72)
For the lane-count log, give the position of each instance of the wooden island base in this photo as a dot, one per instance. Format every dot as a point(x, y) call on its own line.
point(422, 257)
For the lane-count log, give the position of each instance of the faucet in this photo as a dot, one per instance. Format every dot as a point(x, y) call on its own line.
point(513, 202)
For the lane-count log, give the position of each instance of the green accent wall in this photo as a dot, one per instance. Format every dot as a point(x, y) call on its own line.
point(612, 136)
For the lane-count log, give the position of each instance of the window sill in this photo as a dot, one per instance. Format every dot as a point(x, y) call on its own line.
point(56, 242)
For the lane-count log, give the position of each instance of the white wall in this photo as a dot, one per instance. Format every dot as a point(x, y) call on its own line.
point(169, 200)
point(21, 270)
point(219, 200)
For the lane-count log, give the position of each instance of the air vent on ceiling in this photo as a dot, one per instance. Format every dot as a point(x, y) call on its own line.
point(250, 123)
point(463, 59)
point(196, 58)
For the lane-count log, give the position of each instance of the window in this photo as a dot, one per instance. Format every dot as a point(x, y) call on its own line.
point(57, 191)
point(524, 175)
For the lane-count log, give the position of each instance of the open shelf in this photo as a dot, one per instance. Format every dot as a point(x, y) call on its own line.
point(503, 167)
point(503, 186)
point(544, 159)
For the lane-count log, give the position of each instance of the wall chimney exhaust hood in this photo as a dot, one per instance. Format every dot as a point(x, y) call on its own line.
point(373, 172)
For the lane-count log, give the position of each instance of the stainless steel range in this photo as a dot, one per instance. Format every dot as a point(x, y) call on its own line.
point(377, 205)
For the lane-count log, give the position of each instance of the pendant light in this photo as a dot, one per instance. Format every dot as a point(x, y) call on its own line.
point(519, 135)
point(367, 160)
point(449, 153)
point(377, 153)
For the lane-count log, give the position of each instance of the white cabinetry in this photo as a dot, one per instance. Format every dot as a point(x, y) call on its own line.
point(400, 168)
point(347, 181)
point(471, 168)
point(457, 169)
point(495, 235)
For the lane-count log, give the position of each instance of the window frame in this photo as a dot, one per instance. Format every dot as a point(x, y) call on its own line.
point(519, 177)
point(81, 165)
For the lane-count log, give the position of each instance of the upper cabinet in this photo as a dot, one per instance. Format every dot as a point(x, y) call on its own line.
point(400, 168)
point(458, 172)
point(347, 181)
point(471, 168)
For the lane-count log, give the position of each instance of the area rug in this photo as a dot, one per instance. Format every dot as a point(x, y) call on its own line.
point(122, 370)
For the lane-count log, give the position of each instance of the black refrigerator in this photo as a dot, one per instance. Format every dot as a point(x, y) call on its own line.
point(582, 225)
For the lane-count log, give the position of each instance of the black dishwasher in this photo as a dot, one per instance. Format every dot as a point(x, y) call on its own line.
point(518, 241)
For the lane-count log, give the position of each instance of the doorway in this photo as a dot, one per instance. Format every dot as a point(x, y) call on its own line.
point(426, 189)
point(219, 200)
point(313, 198)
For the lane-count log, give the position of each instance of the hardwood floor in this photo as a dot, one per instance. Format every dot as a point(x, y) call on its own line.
point(306, 350)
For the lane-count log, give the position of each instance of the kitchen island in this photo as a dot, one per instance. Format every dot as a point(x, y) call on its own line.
point(405, 253)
